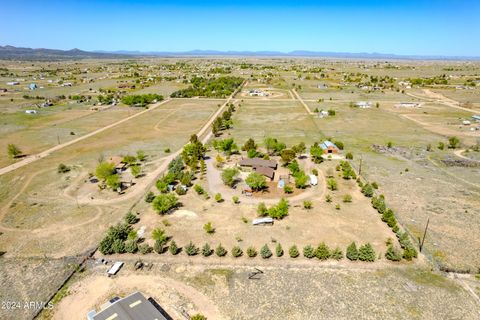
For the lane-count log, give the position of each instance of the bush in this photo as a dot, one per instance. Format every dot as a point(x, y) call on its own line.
point(301, 180)
point(180, 190)
point(280, 210)
point(118, 246)
point(149, 197)
point(237, 252)
point(308, 252)
point(206, 250)
point(368, 190)
point(198, 189)
point(287, 189)
point(220, 251)
point(347, 198)
point(409, 253)
point(279, 250)
point(322, 252)
point(293, 251)
point(235, 200)
point(131, 246)
point(209, 229)
point(118, 232)
point(251, 252)
point(256, 181)
point(159, 246)
point(352, 252)
point(392, 254)
point(265, 252)
point(307, 204)
point(191, 249)
point(131, 218)
point(229, 176)
point(262, 209)
point(218, 197)
point(198, 316)
point(62, 168)
point(164, 203)
point(337, 254)
point(328, 198)
point(315, 172)
point(332, 184)
point(144, 248)
point(173, 248)
point(366, 253)
point(349, 156)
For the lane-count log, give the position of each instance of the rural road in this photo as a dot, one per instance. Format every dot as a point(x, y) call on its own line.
point(302, 102)
point(43, 154)
point(437, 97)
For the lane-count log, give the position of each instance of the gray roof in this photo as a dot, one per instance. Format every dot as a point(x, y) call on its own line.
point(266, 171)
point(132, 307)
point(258, 162)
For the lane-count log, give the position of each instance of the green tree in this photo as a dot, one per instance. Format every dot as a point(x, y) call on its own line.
point(164, 203)
point(392, 254)
point(453, 142)
point(280, 210)
point(251, 252)
point(118, 246)
point(113, 181)
point(299, 148)
point(332, 184)
point(256, 181)
point(265, 252)
point(287, 156)
point(262, 209)
point(279, 250)
point(141, 155)
point(206, 250)
point(307, 204)
point(13, 151)
point(366, 253)
point(337, 254)
point(131, 218)
point(220, 251)
point(173, 248)
point(352, 252)
point(209, 229)
point(236, 251)
point(191, 249)
point(105, 170)
point(136, 170)
point(308, 251)
point(301, 180)
point(229, 176)
point(322, 252)
point(198, 316)
point(293, 251)
point(131, 246)
point(218, 197)
point(368, 190)
point(249, 145)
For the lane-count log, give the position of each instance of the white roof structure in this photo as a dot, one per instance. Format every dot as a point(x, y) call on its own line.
point(115, 268)
point(260, 221)
point(313, 179)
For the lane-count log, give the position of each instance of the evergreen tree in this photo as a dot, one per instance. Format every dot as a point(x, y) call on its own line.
point(366, 253)
point(206, 250)
point(265, 252)
point(322, 252)
point(279, 250)
point(308, 252)
point(352, 252)
point(293, 251)
point(220, 251)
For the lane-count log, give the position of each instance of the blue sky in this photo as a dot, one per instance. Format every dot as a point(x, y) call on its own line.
point(441, 27)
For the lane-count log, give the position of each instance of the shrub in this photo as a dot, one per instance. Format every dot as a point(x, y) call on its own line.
point(229, 176)
point(315, 172)
point(144, 248)
point(166, 150)
point(164, 203)
point(209, 229)
point(293, 251)
point(62, 168)
point(251, 252)
point(265, 252)
point(336, 254)
point(279, 250)
point(131, 246)
point(368, 190)
point(180, 190)
point(337, 206)
point(308, 252)
point(162, 186)
point(352, 252)
point(220, 251)
point(131, 218)
point(288, 189)
point(191, 249)
point(349, 156)
point(149, 197)
point(301, 180)
point(256, 181)
point(262, 209)
point(392, 254)
point(453, 142)
point(322, 252)
point(441, 146)
point(13, 151)
point(198, 189)
point(374, 185)
point(118, 246)
point(206, 250)
point(307, 204)
point(328, 198)
point(198, 316)
point(409, 253)
point(332, 184)
point(347, 198)
point(173, 248)
point(280, 210)
point(159, 246)
point(366, 253)
point(237, 252)
point(235, 200)
point(218, 197)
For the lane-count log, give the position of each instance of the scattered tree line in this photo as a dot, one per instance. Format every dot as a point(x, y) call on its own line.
point(213, 88)
point(141, 100)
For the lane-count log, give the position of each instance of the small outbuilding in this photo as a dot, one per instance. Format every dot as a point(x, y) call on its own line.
point(329, 147)
point(32, 86)
point(31, 111)
point(115, 268)
point(262, 221)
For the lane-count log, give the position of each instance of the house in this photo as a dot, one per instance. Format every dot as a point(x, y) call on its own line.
point(476, 117)
point(258, 162)
point(363, 104)
point(118, 162)
point(329, 147)
point(265, 171)
point(407, 105)
point(466, 123)
point(32, 86)
point(31, 111)
point(132, 307)
point(322, 86)
point(322, 114)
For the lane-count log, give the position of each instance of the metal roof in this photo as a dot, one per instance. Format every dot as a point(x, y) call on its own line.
point(132, 307)
point(327, 144)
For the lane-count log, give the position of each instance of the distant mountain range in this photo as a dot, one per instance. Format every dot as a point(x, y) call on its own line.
point(17, 53)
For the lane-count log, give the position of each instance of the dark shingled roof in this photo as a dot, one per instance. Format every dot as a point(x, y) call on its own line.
point(258, 162)
point(266, 171)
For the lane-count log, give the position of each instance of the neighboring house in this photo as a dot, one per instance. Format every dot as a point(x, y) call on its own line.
point(258, 162)
point(31, 111)
point(329, 147)
point(407, 105)
point(132, 307)
point(363, 104)
point(32, 86)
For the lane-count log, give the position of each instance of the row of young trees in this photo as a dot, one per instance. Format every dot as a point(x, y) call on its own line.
point(224, 121)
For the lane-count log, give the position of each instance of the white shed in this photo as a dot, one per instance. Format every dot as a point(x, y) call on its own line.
point(115, 268)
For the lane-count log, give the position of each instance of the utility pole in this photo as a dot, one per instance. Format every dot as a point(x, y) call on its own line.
point(424, 234)
point(360, 166)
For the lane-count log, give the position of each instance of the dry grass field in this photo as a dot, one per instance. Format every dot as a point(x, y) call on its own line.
point(49, 220)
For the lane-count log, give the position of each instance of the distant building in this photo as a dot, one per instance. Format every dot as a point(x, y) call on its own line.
point(329, 147)
point(407, 105)
point(476, 117)
point(3, 90)
point(32, 86)
point(363, 104)
point(31, 111)
point(257, 93)
point(322, 86)
point(13, 83)
point(132, 307)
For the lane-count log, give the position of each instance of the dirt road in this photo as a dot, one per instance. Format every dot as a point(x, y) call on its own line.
point(302, 102)
point(43, 154)
point(437, 97)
